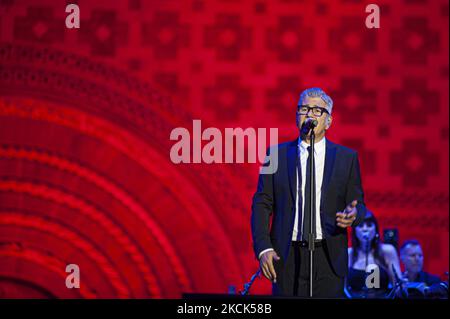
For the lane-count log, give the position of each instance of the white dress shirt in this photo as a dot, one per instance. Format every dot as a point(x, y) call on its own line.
point(319, 158)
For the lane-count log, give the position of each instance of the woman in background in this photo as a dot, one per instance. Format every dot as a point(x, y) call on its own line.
point(367, 249)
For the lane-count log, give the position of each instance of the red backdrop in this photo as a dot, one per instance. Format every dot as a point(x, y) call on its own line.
point(86, 114)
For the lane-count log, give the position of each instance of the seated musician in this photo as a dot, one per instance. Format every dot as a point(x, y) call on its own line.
point(420, 283)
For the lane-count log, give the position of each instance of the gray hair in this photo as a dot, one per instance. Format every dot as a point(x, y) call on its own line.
point(412, 242)
point(317, 92)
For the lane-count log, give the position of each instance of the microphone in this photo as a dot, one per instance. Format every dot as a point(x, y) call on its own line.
point(308, 125)
point(367, 245)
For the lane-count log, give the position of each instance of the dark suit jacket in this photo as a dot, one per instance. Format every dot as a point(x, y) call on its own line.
point(276, 193)
point(427, 278)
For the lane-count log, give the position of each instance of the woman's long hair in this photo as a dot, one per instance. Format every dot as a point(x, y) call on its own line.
point(375, 244)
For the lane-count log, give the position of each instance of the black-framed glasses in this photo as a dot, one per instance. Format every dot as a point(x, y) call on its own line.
point(316, 110)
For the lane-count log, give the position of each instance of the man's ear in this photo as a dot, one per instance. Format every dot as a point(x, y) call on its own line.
point(328, 122)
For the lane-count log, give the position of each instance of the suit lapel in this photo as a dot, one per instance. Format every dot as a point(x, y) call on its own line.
point(330, 156)
point(292, 165)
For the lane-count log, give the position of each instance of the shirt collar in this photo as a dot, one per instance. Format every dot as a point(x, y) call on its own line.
point(319, 147)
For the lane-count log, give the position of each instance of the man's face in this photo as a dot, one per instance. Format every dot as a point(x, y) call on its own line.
point(412, 258)
point(324, 121)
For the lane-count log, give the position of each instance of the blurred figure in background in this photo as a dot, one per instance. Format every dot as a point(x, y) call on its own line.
point(420, 283)
point(367, 249)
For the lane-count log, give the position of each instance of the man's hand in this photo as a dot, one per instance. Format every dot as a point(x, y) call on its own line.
point(347, 217)
point(266, 264)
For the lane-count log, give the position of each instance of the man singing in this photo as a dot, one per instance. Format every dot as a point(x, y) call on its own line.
point(282, 248)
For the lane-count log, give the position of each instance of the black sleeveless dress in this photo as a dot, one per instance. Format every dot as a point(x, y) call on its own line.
point(356, 284)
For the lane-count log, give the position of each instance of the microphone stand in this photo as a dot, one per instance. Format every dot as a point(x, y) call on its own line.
point(366, 249)
point(312, 217)
point(398, 285)
point(250, 283)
